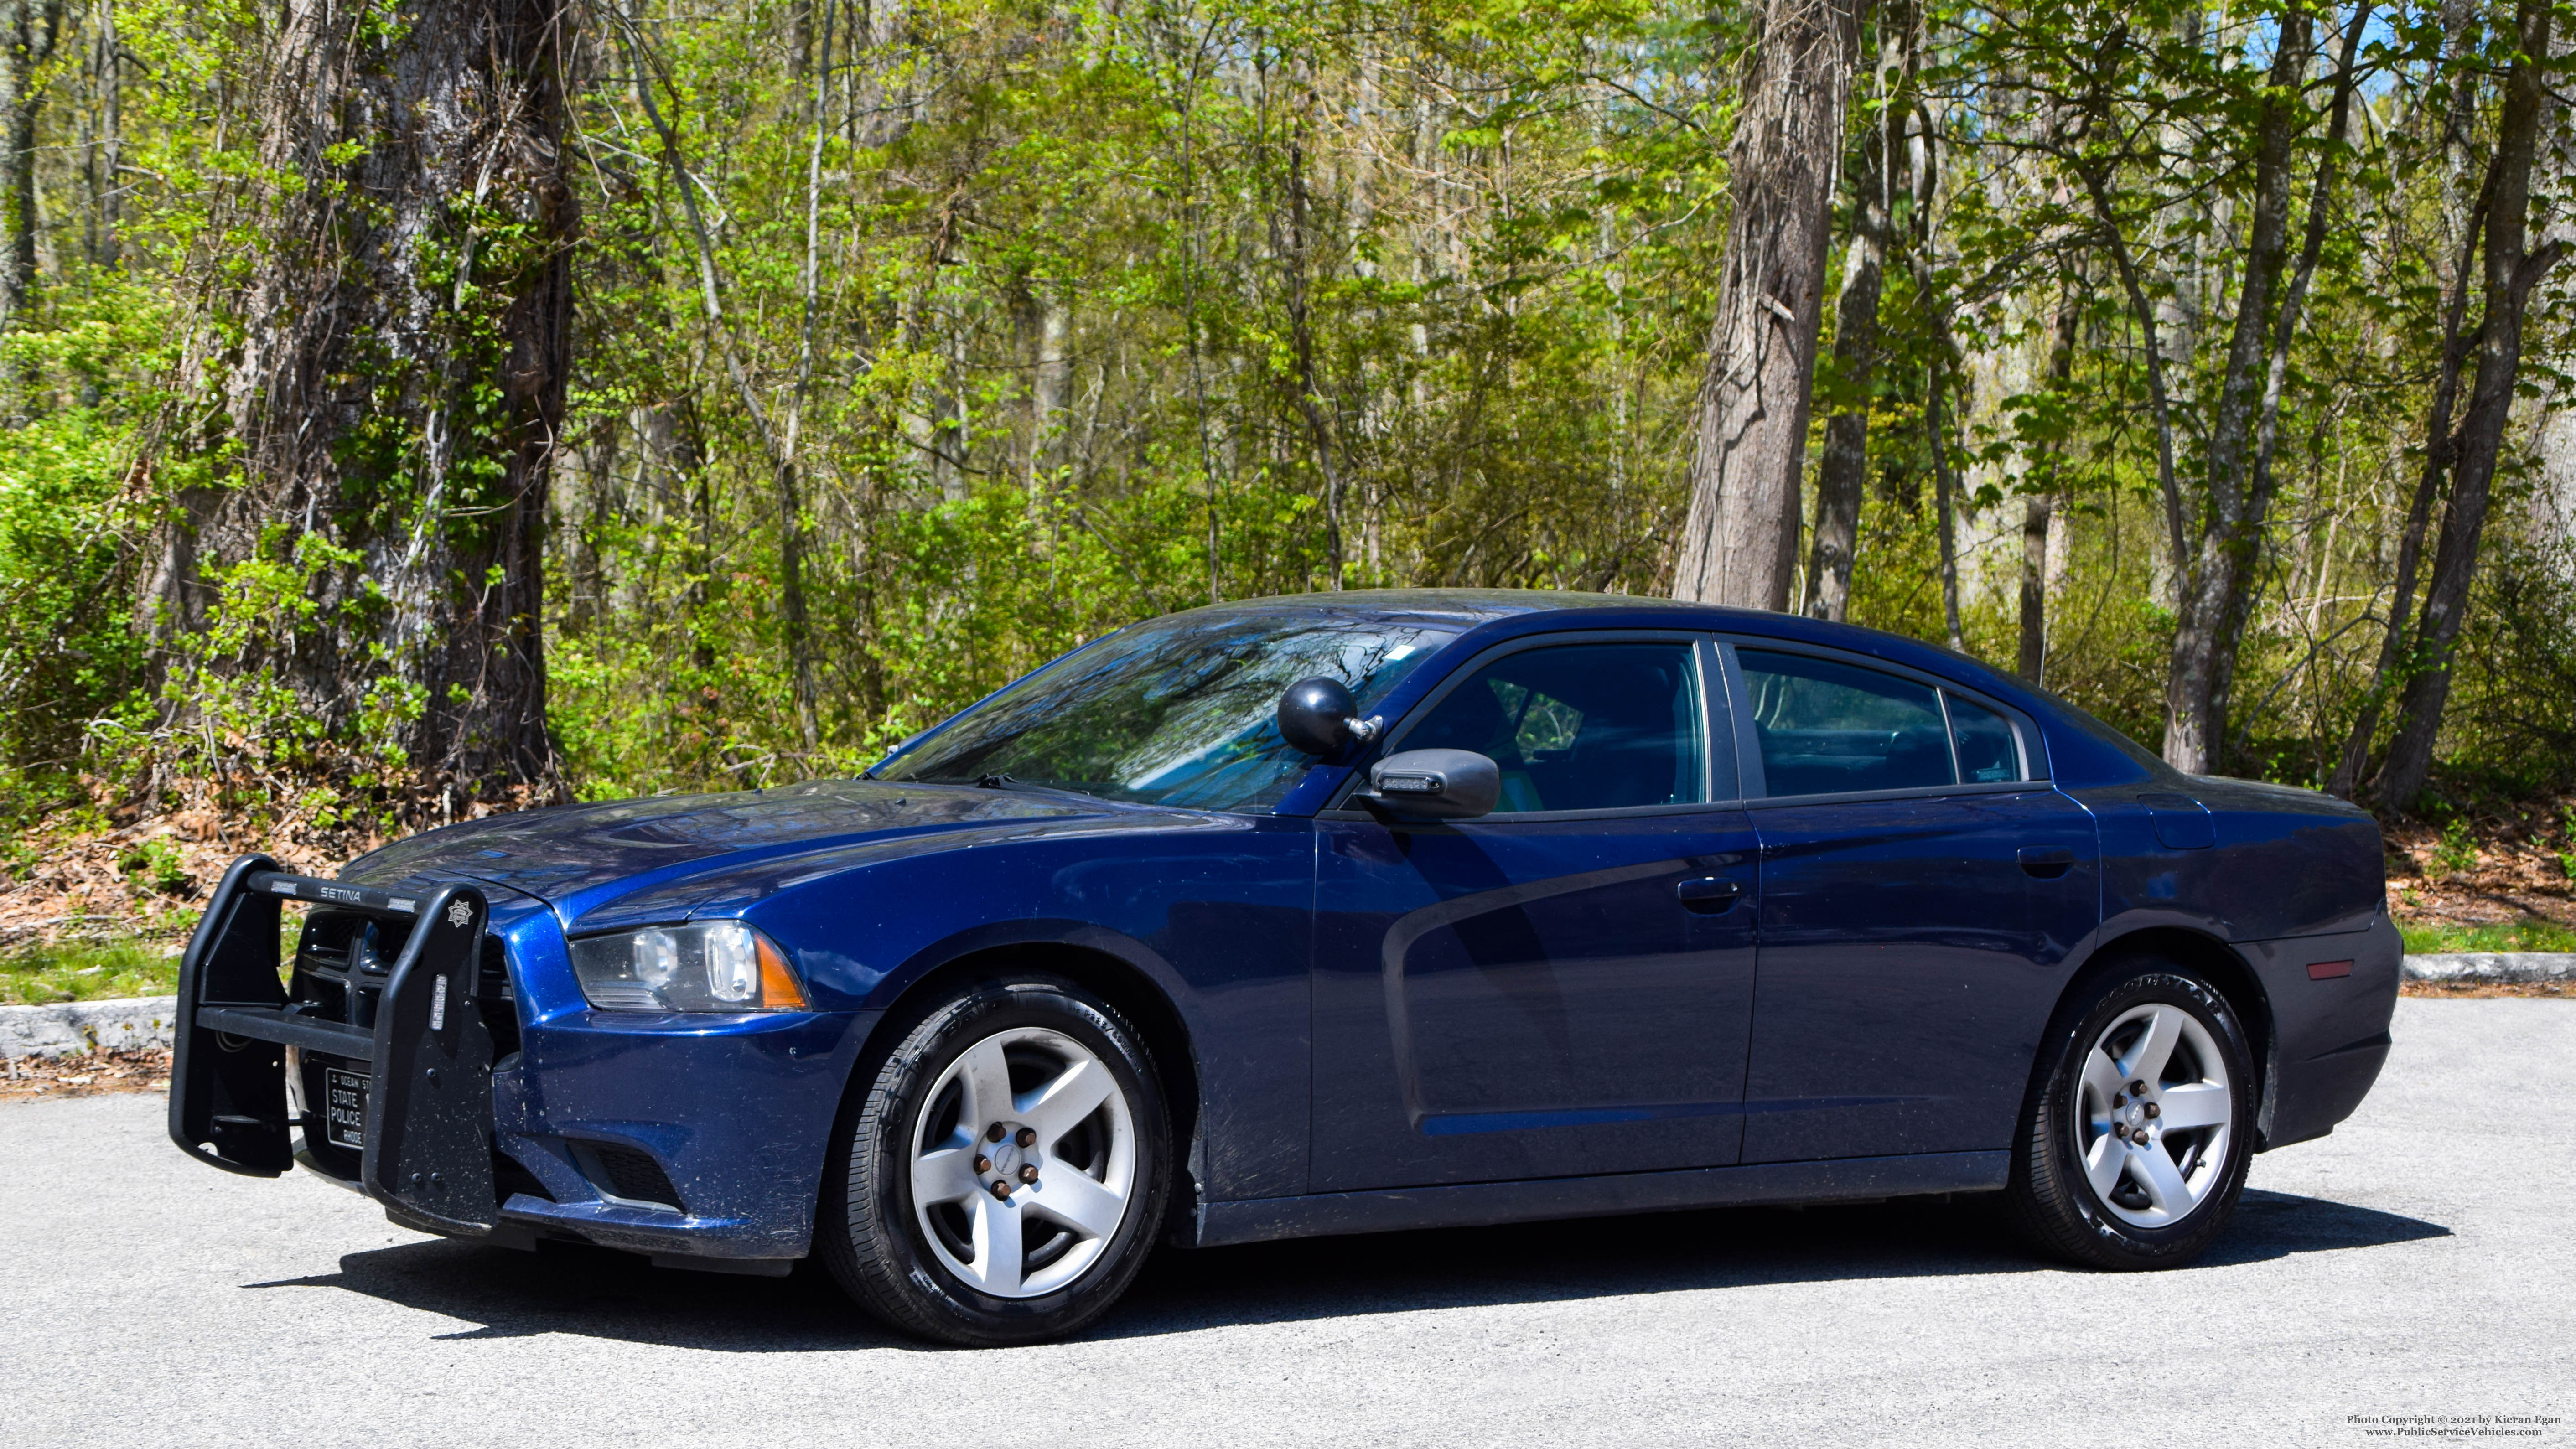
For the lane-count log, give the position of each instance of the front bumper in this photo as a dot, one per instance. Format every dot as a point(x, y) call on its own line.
point(500, 1105)
point(734, 1114)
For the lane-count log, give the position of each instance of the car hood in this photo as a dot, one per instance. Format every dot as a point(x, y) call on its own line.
point(568, 851)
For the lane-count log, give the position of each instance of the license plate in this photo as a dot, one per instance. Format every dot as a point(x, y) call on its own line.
point(344, 1108)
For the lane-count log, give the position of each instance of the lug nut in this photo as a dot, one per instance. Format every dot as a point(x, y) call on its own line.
point(1001, 1189)
point(2154, 1111)
point(1029, 1173)
point(983, 1164)
point(2137, 1089)
point(1028, 1137)
point(2118, 1101)
point(2120, 1130)
point(993, 1133)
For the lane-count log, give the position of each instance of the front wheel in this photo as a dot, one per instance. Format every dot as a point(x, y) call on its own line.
point(2135, 1149)
point(1007, 1169)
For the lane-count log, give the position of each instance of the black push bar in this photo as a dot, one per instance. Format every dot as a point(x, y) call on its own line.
point(427, 1140)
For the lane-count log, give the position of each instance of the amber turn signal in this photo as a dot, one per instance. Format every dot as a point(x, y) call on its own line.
point(778, 988)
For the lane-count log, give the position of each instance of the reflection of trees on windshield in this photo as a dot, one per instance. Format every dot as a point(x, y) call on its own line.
point(1182, 712)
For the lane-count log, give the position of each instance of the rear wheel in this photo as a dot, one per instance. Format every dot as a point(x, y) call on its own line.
point(2136, 1146)
point(1006, 1171)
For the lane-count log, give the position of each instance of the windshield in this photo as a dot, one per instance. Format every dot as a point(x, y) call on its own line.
point(1176, 711)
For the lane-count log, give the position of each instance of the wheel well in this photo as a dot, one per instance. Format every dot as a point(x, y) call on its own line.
point(1166, 1038)
point(2212, 958)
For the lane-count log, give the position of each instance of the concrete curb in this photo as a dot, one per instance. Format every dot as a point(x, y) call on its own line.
point(2495, 966)
point(72, 1027)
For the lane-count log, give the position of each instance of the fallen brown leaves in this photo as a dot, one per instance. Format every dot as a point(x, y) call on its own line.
point(90, 1074)
point(83, 873)
point(91, 884)
point(2517, 871)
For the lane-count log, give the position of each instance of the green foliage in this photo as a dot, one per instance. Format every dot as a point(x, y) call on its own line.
point(2529, 933)
point(1472, 366)
point(248, 740)
point(154, 865)
point(68, 508)
point(1111, 311)
point(2458, 852)
point(41, 974)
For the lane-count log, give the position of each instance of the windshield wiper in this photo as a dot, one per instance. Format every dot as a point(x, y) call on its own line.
point(1031, 787)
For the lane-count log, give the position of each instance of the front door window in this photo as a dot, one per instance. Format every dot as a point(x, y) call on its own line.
point(1580, 726)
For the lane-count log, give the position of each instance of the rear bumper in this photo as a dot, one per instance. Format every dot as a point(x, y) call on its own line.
point(2332, 998)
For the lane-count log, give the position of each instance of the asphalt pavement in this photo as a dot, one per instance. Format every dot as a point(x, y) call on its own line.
point(2416, 1263)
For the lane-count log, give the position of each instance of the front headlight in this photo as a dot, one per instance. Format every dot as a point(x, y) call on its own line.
point(709, 966)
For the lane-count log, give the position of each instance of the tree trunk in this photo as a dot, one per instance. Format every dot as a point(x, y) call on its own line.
point(399, 384)
point(1053, 382)
point(1843, 471)
point(2386, 674)
point(2236, 606)
point(1944, 504)
point(2039, 510)
point(28, 37)
point(1739, 542)
point(2511, 270)
point(1293, 243)
point(110, 158)
point(2221, 561)
point(2032, 661)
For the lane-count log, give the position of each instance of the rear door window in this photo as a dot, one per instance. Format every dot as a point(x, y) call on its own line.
point(1983, 742)
point(1830, 728)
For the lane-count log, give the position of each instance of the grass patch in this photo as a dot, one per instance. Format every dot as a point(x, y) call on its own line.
point(2531, 933)
point(40, 975)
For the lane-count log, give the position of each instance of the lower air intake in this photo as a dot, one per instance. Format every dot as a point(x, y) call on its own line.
point(628, 1173)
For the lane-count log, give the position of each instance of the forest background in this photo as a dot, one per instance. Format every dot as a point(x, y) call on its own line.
point(415, 408)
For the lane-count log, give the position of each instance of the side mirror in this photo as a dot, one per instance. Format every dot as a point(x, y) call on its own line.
point(1435, 785)
point(1319, 717)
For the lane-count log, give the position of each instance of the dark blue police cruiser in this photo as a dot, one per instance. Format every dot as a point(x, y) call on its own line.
point(1328, 914)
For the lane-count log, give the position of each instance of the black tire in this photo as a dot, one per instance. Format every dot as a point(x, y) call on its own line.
point(2051, 1202)
point(868, 1232)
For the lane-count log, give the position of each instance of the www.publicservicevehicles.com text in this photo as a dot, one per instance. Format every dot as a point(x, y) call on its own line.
point(2453, 1426)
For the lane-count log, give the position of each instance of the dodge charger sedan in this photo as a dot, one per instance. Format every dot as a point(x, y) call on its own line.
point(1329, 914)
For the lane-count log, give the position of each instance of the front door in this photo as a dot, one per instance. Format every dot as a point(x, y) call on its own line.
point(1921, 894)
point(1563, 987)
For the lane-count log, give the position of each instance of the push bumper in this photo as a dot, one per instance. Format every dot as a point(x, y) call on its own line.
point(725, 1121)
point(427, 1139)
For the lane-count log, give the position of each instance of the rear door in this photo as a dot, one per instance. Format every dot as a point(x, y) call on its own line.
point(1562, 987)
point(1922, 887)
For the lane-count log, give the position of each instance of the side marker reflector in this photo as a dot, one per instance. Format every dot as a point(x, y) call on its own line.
point(2328, 970)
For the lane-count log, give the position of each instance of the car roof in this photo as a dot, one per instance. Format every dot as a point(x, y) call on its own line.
point(1461, 607)
point(1522, 611)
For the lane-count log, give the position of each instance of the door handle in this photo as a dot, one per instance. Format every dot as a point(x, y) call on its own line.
point(2047, 862)
point(1708, 895)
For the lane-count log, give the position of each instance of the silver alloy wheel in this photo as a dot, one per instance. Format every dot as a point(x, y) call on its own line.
point(2153, 1114)
point(1023, 1162)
